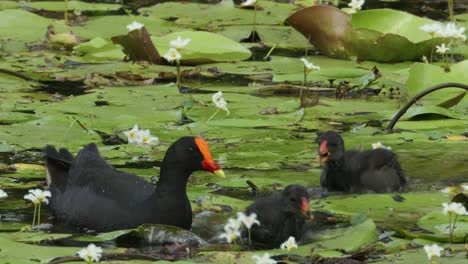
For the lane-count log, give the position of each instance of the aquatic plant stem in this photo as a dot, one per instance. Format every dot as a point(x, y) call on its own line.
point(254, 30)
point(178, 74)
point(39, 216)
point(66, 12)
point(304, 83)
point(450, 9)
point(213, 115)
point(432, 49)
point(450, 228)
point(34, 216)
point(250, 237)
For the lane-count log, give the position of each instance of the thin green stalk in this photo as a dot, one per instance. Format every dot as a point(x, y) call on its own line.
point(178, 74)
point(34, 216)
point(432, 49)
point(254, 31)
point(450, 228)
point(66, 12)
point(450, 9)
point(217, 111)
point(39, 216)
point(250, 239)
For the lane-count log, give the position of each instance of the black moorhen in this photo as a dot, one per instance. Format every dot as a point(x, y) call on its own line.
point(88, 192)
point(375, 170)
point(281, 215)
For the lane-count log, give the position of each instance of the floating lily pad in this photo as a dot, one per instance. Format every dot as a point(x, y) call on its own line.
point(35, 237)
point(423, 76)
point(72, 5)
point(104, 236)
point(199, 50)
point(161, 234)
point(437, 223)
point(366, 35)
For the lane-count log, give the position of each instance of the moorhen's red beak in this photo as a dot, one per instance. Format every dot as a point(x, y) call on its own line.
point(305, 207)
point(208, 163)
point(323, 153)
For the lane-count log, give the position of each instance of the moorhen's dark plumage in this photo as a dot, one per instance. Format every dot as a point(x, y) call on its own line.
point(88, 192)
point(375, 170)
point(281, 215)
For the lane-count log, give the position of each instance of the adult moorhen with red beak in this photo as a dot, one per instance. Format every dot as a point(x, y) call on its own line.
point(88, 192)
point(375, 170)
point(281, 215)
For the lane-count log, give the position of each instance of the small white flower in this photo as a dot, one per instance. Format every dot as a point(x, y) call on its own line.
point(134, 25)
point(230, 235)
point(289, 244)
point(77, 12)
point(442, 49)
point(3, 194)
point(464, 186)
point(451, 31)
point(172, 55)
point(448, 190)
point(38, 196)
point(144, 138)
point(380, 145)
point(431, 29)
point(233, 223)
point(265, 259)
point(248, 221)
point(249, 3)
point(219, 101)
point(132, 135)
point(90, 253)
point(355, 5)
point(179, 43)
point(433, 250)
point(309, 66)
point(454, 208)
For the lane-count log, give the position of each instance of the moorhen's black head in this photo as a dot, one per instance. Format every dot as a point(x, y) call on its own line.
point(296, 199)
point(193, 154)
point(331, 147)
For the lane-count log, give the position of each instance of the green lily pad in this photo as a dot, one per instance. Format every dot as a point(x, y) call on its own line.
point(8, 4)
point(104, 236)
point(99, 50)
point(423, 76)
point(348, 239)
point(430, 112)
point(72, 5)
point(199, 50)
point(366, 35)
point(437, 223)
point(36, 237)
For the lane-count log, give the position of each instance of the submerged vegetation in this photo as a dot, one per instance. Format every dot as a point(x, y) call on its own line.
point(75, 72)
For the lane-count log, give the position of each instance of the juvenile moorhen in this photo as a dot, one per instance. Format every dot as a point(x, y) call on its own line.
point(375, 170)
point(281, 215)
point(88, 192)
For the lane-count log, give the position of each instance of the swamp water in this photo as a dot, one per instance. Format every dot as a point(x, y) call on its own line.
point(271, 148)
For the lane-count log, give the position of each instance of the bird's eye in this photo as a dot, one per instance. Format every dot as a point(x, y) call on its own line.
point(293, 199)
point(191, 148)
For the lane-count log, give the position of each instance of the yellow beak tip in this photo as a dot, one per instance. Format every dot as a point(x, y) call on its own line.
point(219, 173)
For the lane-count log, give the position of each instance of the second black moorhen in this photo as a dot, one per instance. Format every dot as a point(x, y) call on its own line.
point(88, 192)
point(375, 170)
point(281, 215)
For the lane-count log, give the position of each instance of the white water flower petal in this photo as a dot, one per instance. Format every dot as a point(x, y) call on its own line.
point(144, 137)
point(431, 28)
point(265, 259)
point(37, 196)
point(230, 235)
point(309, 65)
point(3, 194)
point(454, 208)
point(132, 135)
point(432, 251)
point(172, 55)
point(464, 186)
point(219, 101)
point(442, 49)
point(134, 25)
point(289, 244)
point(179, 43)
point(249, 3)
point(250, 220)
point(356, 5)
point(233, 224)
point(380, 145)
point(90, 253)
